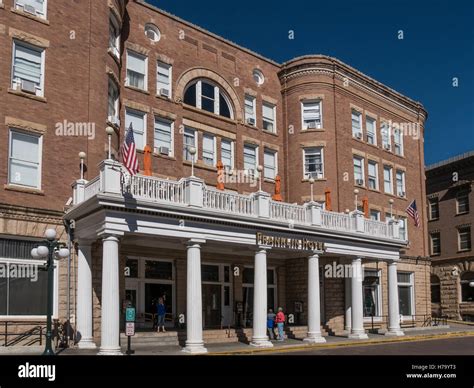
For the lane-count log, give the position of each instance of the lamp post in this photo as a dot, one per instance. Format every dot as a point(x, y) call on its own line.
point(109, 131)
point(356, 191)
point(192, 152)
point(259, 169)
point(311, 182)
point(82, 156)
point(391, 207)
point(53, 250)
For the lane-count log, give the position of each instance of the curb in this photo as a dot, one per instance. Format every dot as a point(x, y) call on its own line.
point(292, 348)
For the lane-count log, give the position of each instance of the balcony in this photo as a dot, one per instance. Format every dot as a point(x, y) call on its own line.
point(193, 193)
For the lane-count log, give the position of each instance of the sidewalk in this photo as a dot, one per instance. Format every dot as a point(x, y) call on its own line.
point(418, 334)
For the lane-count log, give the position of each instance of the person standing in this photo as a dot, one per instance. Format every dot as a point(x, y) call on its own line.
point(161, 311)
point(280, 321)
point(271, 324)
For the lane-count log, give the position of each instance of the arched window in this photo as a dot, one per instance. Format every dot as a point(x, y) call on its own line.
point(152, 32)
point(435, 289)
point(467, 292)
point(205, 94)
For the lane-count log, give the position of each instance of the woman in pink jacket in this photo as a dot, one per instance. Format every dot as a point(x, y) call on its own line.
point(280, 321)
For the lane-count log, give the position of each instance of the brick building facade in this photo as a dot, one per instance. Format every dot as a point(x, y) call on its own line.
point(313, 121)
point(449, 193)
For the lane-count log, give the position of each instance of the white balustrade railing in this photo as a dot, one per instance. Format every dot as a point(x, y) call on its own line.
point(287, 212)
point(337, 221)
point(228, 202)
point(376, 228)
point(157, 189)
point(92, 188)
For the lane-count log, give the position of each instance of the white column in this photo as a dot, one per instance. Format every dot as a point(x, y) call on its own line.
point(110, 319)
point(357, 321)
point(84, 297)
point(259, 335)
point(314, 303)
point(348, 302)
point(393, 310)
point(194, 341)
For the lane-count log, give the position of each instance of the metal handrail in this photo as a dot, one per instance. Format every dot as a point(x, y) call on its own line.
point(37, 329)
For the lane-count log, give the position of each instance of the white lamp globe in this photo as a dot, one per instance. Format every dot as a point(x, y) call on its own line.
point(471, 284)
point(311, 180)
point(63, 253)
point(109, 130)
point(42, 251)
point(192, 150)
point(35, 254)
point(50, 234)
point(259, 168)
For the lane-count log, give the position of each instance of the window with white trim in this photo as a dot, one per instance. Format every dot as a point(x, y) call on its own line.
point(374, 215)
point(24, 161)
point(400, 178)
point(28, 68)
point(371, 287)
point(406, 293)
point(113, 100)
point(358, 170)
point(462, 202)
point(163, 77)
point(356, 124)
point(464, 238)
point(227, 154)
point(433, 204)
point(114, 36)
point(373, 178)
point(313, 159)
point(311, 115)
point(403, 228)
point(269, 117)
point(32, 7)
point(386, 136)
point(398, 141)
point(138, 121)
point(137, 73)
point(250, 158)
point(152, 32)
point(387, 180)
point(206, 95)
point(371, 128)
point(250, 110)
point(269, 163)
point(435, 243)
point(163, 137)
point(189, 140)
point(209, 149)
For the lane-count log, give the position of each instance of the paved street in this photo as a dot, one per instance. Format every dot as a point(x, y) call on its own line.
point(448, 346)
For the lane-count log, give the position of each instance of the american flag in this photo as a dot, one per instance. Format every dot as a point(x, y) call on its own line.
point(129, 152)
point(412, 211)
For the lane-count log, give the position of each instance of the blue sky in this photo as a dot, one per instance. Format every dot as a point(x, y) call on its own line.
point(438, 45)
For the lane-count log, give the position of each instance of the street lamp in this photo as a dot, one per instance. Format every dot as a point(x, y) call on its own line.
point(311, 182)
point(192, 152)
point(356, 191)
point(259, 169)
point(391, 207)
point(109, 131)
point(53, 250)
point(82, 156)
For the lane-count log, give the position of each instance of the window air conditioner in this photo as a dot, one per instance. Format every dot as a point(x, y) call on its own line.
point(312, 124)
point(164, 151)
point(164, 92)
point(359, 182)
point(29, 9)
point(28, 87)
point(251, 121)
point(358, 135)
point(401, 193)
point(388, 147)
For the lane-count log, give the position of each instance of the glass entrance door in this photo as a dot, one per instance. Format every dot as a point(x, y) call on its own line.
point(211, 302)
point(154, 291)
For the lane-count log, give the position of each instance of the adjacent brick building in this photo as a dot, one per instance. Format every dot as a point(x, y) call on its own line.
point(120, 62)
point(449, 194)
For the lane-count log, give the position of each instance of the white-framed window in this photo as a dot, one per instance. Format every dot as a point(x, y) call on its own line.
point(433, 204)
point(371, 128)
point(374, 215)
point(250, 110)
point(462, 202)
point(137, 74)
point(28, 68)
point(403, 228)
point(464, 238)
point(269, 117)
point(356, 124)
point(435, 243)
point(152, 32)
point(189, 140)
point(387, 179)
point(258, 77)
point(400, 178)
point(358, 170)
point(227, 154)
point(313, 161)
point(372, 291)
point(113, 102)
point(33, 7)
point(209, 151)
point(138, 121)
point(164, 136)
point(206, 95)
point(386, 136)
point(270, 163)
point(373, 177)
point(250, 158)
point(24, 159)
point(163, 79)
point(311, 114)
point(398, 141)
point(406, 293)
point(114, 36)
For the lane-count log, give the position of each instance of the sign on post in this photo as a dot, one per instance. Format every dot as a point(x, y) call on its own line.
point(130, 314)
point(130, 329)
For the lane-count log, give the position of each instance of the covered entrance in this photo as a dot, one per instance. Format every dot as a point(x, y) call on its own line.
point(216, 295)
